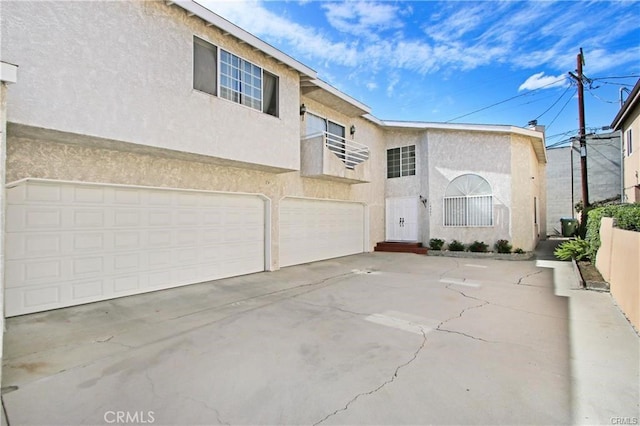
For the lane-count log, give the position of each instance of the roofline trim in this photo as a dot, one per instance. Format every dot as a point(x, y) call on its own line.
point(338, 93)
point(495, 128)
point(627, 106)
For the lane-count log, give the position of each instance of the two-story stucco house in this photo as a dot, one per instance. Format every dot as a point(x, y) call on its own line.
point(627, 122)
point(154, 144)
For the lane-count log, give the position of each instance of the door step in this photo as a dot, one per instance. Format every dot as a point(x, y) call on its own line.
point(401, 247)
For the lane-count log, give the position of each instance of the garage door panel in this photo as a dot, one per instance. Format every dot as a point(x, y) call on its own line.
point(312, 230)
point(70, 243)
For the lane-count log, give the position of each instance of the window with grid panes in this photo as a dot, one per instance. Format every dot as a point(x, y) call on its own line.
point(401, 161)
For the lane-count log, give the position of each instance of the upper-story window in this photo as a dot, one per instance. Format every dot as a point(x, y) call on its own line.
point(238, 80)
point(401, 161)
point(629, 143)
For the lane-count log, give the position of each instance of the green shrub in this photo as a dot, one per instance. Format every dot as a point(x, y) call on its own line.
point(502, 246)
point(436, 244)
point(627, 217)
point(577, 249)
point(456, 245)
point(518, 251)
point(478, 247)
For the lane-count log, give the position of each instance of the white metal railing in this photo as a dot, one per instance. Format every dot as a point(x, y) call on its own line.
point(472, 211)
point(351, 153)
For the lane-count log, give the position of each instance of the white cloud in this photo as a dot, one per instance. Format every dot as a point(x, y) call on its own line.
point(362, 18)
point(460, 38)
point(539, 81)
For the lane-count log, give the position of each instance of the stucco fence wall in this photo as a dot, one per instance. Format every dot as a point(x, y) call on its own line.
point(617, 261)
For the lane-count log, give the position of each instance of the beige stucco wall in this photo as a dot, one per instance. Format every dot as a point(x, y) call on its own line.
point(632, 162)
point(123, 71)
point(528, 185)
point(617, 261)
point(53, 160)
point(454, 153)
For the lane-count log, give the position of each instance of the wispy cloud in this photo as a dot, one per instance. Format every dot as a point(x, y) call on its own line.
point(371, 35)
point(539, 81)
point(362, 18)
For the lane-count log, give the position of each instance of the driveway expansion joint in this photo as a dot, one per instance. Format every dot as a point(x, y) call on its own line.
point(385, 383)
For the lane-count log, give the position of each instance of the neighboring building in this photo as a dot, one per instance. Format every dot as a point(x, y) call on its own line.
point(627, 122)
point(155, 144)
point(564, 177)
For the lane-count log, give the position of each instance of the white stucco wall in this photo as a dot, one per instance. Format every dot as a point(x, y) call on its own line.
point(123, 71)
point(454, 153)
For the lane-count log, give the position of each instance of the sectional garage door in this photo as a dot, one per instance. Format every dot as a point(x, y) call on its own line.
point(73, 243)
point(312, 230)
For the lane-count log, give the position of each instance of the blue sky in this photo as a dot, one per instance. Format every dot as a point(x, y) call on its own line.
point(452, 61)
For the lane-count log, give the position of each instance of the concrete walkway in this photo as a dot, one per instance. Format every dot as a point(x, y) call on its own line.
point(379, 338)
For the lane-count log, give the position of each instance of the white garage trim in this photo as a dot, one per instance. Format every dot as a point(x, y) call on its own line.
point(69, 243)
point(313, 229)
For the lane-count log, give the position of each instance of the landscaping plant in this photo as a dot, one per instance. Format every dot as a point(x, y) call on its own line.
point(456, 245)
point(436, 244)
point(503, 246)
point(577, 249)
point(478, 247)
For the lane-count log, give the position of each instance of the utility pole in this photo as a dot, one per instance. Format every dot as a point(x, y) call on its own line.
point(582, 135)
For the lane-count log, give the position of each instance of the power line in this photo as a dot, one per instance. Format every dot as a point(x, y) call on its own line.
point(562, 109)
point(553, 104)
point(506, 100)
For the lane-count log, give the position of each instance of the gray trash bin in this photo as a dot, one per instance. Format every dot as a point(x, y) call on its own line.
point(569, 226)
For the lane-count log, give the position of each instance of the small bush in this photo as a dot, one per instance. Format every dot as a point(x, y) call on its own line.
point(503, 246)
point(518, 251)
point(478, 247)
point(577, 249)
point(456, 245)
point(436, 244)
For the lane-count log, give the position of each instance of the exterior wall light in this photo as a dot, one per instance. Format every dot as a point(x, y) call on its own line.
point(352, 130)
point(303, 109)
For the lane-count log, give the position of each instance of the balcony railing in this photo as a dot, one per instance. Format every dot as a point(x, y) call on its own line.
point(328, 156)
point(351, 153)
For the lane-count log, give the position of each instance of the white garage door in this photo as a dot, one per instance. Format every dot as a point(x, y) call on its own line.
point(73, 243)
point(312, 230)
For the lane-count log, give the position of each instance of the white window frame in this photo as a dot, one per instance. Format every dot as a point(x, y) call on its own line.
point(404, 170)
point(246, 92)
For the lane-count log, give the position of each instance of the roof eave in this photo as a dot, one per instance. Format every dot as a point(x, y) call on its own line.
point(212, 19)
point(631, 101)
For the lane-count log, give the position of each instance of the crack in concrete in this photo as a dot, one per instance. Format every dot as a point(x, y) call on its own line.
point(527, 276)
point(284, 290)
point(4, 410)
point(484, 303)
point(385, 383)
point(153, 386)
point(217, 413)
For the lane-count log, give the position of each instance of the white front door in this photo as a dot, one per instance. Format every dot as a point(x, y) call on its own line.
point(402, 219)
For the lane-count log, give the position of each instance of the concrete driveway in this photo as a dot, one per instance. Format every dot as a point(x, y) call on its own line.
point(379, 338)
